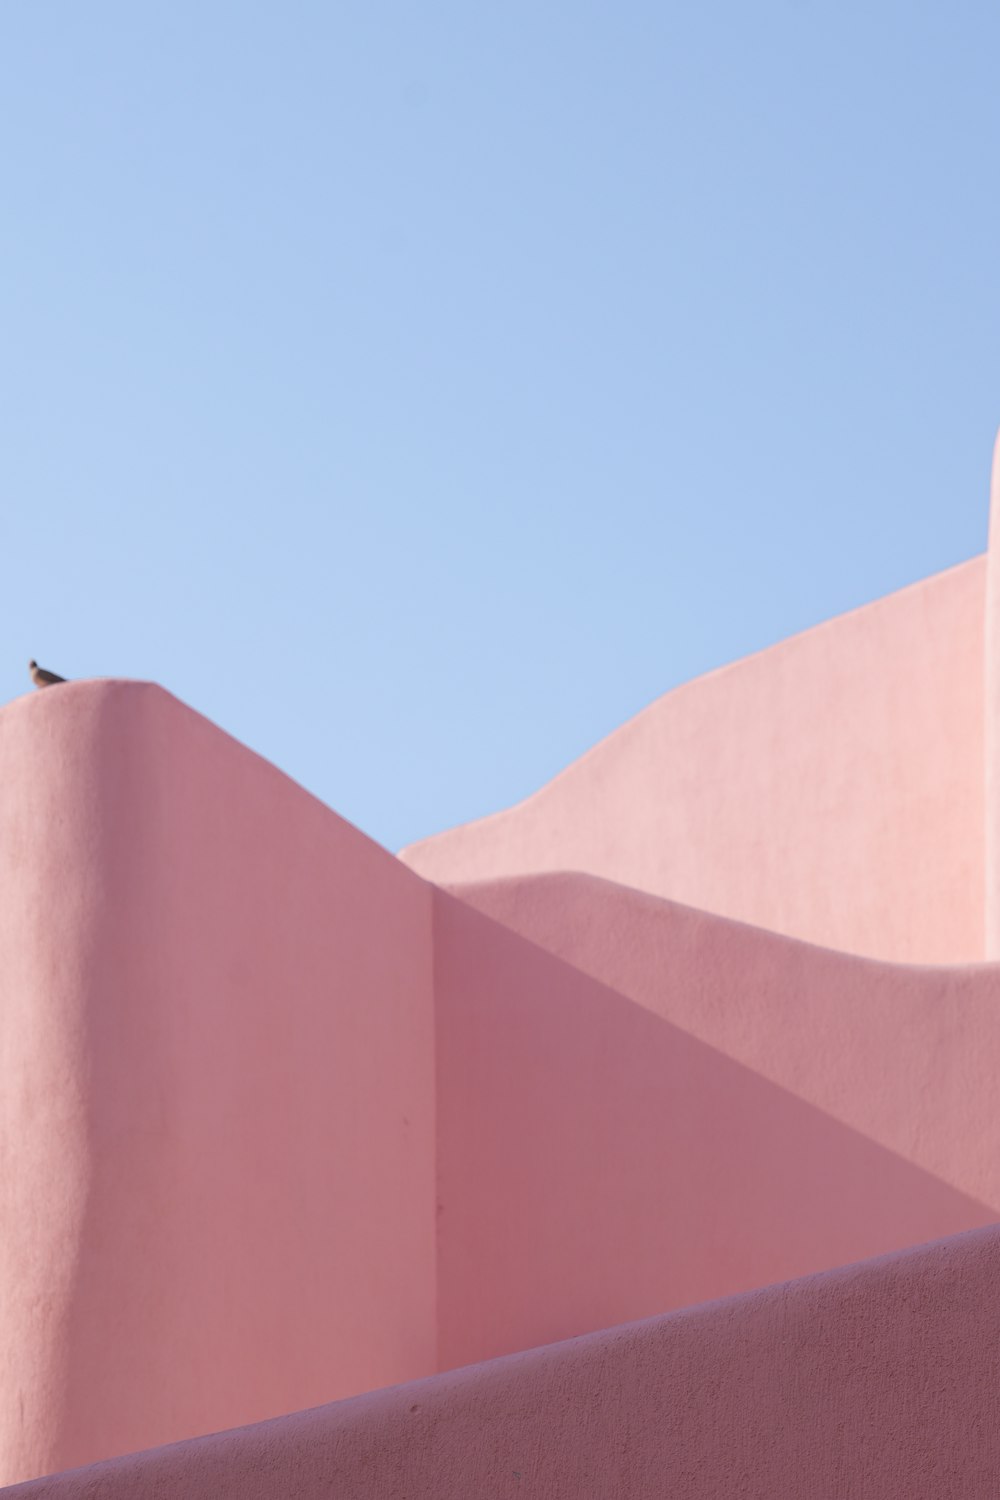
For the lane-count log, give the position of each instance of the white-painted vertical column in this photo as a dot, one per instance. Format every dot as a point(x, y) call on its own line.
point(992, 717)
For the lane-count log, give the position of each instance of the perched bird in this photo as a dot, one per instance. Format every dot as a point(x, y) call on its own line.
point(41, 678)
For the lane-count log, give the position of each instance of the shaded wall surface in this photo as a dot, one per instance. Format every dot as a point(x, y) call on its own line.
point(216, 1087)
point(709, 1109)
point(875, 1380)
point(906, 1055)
point(830, 788)
point(281, 1123)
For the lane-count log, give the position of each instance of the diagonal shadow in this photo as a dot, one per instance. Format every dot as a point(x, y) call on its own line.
point(597, 1164)
point(904, 1054)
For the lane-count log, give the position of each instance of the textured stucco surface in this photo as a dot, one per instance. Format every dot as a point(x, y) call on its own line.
point(830, 788)
point(281, 1123)
point(876, 1380)
point(906, 1055)
point(731, 1109)
point(217, 1106)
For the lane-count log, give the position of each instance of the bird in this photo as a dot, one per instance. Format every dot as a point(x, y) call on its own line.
point(41, 678)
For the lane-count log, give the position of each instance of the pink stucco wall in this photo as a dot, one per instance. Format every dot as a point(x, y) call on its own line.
point(906, 1055)
point(878, 1380)
point(217, 1103)
point(992, 717)
point(830, 788)
point(717, 1108)
point(281, 1123)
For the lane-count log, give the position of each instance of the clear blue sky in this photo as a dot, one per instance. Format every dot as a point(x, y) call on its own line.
point(419, 390)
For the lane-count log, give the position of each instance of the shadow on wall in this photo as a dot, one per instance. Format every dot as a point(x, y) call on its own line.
point(677, 1405)
point(597, 1164)
point(907, 1056)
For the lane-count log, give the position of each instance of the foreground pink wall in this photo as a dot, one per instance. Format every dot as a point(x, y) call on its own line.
point(719, 1108)
point(281, 1123)
point(877, 1380)
point(217, 1107)
point(830, 788)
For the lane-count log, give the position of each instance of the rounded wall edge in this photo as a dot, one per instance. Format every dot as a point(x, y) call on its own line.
point(235, 936)
point(53, 896)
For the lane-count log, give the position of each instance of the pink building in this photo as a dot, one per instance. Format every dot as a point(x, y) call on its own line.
point(639, 1140)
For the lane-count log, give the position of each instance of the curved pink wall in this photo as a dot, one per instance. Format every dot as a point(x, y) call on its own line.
point(218, 1126)
point(715, 1109)
point(906, 1055)
point(830, 788)
point(877, 1380)
point(282, 1123)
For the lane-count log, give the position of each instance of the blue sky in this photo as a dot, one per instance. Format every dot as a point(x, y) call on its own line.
point(421, 390)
